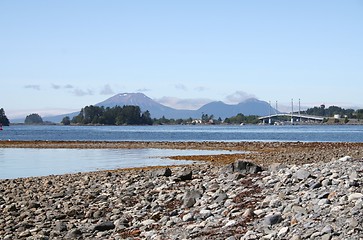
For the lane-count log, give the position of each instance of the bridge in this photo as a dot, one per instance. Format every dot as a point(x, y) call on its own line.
point(293, 118)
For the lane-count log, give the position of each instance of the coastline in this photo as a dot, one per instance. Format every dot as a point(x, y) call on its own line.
point(263, 153)
point(307, 190)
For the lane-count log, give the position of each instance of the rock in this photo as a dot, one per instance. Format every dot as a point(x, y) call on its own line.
point(60, 226)
point(355, 196)
point(282, 232)
point(323, 195)
point(280, 203)
point(104, 226)
point(73, 234)
point(204, 213)
point(302, 174)
point(34, 205)
point(316, 185)
point(272, 219)
point(59, 195)
point(164, 172)
point(230, 223)
point(296, 237)
point(344, 159)
point(184, 175)
point(248, 213)
point(327, 229)
point(25, 234)
point(246, 167)
point(188, 217)
point(191, 197)
point(221, 197)
point(148, 222)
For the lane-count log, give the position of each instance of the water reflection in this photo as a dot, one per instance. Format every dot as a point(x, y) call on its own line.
point(17, 162)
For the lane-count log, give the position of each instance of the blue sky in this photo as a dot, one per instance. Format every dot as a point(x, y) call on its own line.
point(59, 56)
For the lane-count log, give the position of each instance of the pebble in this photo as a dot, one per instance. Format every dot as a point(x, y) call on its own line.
point(203, 201)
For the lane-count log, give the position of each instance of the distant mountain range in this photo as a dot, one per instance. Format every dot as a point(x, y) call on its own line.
point(251, 106)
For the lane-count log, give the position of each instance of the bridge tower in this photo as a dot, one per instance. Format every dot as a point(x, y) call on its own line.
point(269, 119)
point(292, 111)
point(299, 112)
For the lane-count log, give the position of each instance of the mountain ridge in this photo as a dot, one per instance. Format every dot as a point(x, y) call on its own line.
point(218, 109)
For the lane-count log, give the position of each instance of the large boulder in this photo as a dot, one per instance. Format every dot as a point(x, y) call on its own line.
point(244, 167)
point(163, 172)
point(185, 175)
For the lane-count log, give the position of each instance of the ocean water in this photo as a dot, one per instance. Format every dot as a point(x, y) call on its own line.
point(19, 162)
point(16, 163)
point(304, 133)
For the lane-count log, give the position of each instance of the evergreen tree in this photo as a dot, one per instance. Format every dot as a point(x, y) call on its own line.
point(3, 119)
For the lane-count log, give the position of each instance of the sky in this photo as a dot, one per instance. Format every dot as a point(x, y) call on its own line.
point(59, 56)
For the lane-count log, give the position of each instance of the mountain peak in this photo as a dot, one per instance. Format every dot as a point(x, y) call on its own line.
point(250, 106)
point(126, 99)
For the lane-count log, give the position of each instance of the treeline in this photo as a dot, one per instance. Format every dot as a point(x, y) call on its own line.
point(240, 118)
point(132, 115)
point(126, 115)
point(333, 110)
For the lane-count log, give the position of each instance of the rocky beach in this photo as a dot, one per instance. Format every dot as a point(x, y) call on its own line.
point(275, 190)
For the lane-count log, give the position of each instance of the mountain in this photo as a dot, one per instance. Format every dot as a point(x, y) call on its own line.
point(251, 106)
point(145, 103)
point(218, 109)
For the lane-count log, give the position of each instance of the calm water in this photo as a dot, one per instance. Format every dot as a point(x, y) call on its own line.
point(38, 162)
point(17, 162)
point(316, 133)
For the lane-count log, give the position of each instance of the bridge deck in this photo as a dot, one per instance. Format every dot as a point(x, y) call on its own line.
point(308, 117)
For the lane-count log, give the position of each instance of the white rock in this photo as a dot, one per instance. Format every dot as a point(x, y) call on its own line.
point(148, 222)
point(269, 236)
point(344, 159)
point(259, 212)
point(188, 217)
point(205, 213)
point(230, 223)
point(355, 196)
point(283, 231)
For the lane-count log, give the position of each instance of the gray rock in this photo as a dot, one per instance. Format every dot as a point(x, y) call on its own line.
point(327, 229)
point(272, 219)
point(164, 172)
point(302, 174)
point(221, 197)
point(60, 226)
point(74, 234)
point(283, 231)
point(190, 198)
point(204, 213)
point(246, 167)
point(184, 175)
point(104, 226)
